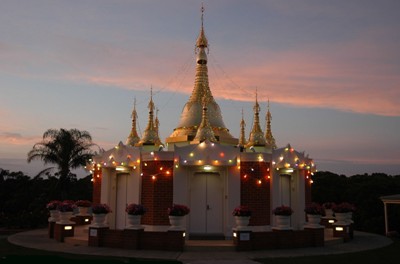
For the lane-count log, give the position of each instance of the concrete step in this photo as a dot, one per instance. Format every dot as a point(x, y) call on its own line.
point(209, 245)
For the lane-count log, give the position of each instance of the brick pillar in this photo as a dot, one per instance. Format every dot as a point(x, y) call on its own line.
point(63, 230)
point(242, 240)
point(157, 191)
point(96, 236)
point(255, 191)
point(51, 229)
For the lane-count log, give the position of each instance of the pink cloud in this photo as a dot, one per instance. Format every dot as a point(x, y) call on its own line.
point(12, 138)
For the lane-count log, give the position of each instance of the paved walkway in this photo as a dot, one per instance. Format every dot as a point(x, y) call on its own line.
point(38, 239)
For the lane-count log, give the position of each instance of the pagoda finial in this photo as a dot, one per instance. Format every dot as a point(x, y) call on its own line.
point(256, 137)
point(133, 137)
point(150, 135)
point(202, 41)
point(202, 14)
point(205, 131)
point(270, 140)
point(242, 138)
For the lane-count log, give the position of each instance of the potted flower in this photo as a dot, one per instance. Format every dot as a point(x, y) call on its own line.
point(282, 216)
point(52, 206)
point(101, 208)
point(100, 212)
point(343, 213)
point(178, 210)
point(135, 212)
point(314, 209)
point(135, 209)
point(83, 203)
point(176, 215)
point(66, 209)
point(83, 206)
point(241, 210)
point(242, 215)
point(328, 208)
point(314, 212)
point(283, 210)
point(66, 206)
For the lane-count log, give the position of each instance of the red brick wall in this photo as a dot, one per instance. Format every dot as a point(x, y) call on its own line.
point(157, 193)
point(97, 176)
point(281, 239)
point(255, 195)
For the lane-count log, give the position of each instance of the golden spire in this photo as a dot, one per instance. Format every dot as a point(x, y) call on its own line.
point(242, 138)
point(133, 137)
point(205, 132)
point(157, 122)
point(150, 135)
point(256, 137)
point(192, 113)
point(270, 140)
point(202, 40)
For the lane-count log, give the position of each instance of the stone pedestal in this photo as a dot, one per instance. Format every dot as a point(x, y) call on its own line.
point(63, 230)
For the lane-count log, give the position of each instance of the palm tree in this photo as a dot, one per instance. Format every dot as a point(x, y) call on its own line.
point(68, 149)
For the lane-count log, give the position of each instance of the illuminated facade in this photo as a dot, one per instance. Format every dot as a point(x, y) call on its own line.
point(204, 167)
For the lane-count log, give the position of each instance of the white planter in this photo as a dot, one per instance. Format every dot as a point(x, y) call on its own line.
point(83, 211)
point(99, 220)
point(65, 218)
point(54, 216)
point(177, 222)
point(342, 219)
point(313, 221)
point(242, 222)
point(134, 222)
point(282, 222)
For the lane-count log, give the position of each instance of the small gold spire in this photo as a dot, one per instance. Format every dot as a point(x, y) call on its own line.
point(270, 140)
point(242, 138)
point(256, 137)
point(202, 41)
point(205, 132)
point(150, 135)
point(133, 137)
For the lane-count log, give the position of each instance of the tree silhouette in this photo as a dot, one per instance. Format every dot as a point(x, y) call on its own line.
point(68, 149)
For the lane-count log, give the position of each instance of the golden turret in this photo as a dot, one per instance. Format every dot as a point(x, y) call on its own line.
point(205, 132)
point(133, 137)
point(270, 140)
point(242, 138)
point(256, 137)
point(150, 135)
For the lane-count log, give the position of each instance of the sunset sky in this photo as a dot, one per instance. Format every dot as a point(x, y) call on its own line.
point(331, 70)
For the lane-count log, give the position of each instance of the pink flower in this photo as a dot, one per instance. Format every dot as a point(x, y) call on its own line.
point(135, 209)
point(241, 210)
point(178, 210)
point(282, 210)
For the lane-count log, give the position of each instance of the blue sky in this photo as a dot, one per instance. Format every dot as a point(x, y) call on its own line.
point(329, 68)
